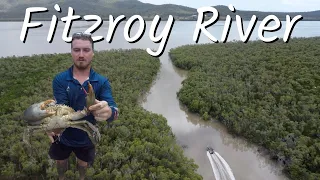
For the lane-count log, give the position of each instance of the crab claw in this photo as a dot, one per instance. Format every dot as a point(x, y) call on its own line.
point(35, 113)
point(46, 103)
point(91, 97)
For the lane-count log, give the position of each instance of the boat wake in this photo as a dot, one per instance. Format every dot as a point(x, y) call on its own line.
point(220, 167)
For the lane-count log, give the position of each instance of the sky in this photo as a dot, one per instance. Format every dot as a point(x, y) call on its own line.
point(266, 5)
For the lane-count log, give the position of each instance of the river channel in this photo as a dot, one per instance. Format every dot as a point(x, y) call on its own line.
point(192, 132)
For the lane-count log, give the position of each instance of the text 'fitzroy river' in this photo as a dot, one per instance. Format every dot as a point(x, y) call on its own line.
point(164, 35)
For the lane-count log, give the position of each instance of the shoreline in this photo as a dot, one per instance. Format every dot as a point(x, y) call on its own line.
point(149, 19)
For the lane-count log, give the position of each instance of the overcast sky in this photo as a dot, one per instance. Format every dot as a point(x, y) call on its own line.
point(261, 5)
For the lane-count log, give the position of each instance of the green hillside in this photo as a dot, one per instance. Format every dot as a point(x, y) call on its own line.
point(224, 11)
point(128, 8)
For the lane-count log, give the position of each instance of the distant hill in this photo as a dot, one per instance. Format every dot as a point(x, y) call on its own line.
point(103, 8)
point(15, 10)
point(224, 11)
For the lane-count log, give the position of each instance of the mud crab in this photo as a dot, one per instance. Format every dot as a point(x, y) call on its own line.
point(47, 116)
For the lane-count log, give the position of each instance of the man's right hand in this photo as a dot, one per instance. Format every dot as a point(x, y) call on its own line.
point(53, 136)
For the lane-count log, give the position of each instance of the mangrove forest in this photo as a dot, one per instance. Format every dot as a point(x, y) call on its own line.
point(139, 145)
point(265, 92)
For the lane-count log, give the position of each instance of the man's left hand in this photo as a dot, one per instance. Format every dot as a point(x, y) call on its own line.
point(101, 110)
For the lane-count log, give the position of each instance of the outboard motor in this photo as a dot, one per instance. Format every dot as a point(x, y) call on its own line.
point(210, 149)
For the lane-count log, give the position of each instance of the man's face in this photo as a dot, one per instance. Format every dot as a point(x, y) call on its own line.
point(82, 53)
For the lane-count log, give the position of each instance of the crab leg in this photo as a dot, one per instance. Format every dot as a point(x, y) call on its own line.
point(95, 136)
point(26, 137)
point(84, 125)
point(76, 115)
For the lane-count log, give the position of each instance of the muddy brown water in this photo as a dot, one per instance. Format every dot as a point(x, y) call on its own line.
point(195, 134)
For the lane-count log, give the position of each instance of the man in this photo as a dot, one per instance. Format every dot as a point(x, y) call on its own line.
point(70, 87)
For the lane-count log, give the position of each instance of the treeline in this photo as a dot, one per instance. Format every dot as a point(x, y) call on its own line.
point(140, 145)
point(268, 93)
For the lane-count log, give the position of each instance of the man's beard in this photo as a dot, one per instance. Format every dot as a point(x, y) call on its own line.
point(82, 65)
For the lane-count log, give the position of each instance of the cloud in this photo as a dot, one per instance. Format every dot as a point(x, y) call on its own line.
point(301, 5)
point(300, 2)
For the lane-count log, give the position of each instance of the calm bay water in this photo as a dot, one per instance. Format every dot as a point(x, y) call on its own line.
point(242, 157)
point(181, 34)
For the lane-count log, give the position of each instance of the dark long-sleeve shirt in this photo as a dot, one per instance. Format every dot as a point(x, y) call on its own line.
point(68, 91)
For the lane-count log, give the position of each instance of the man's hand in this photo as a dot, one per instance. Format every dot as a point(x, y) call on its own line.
point(101, 110)
point(53, 136)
